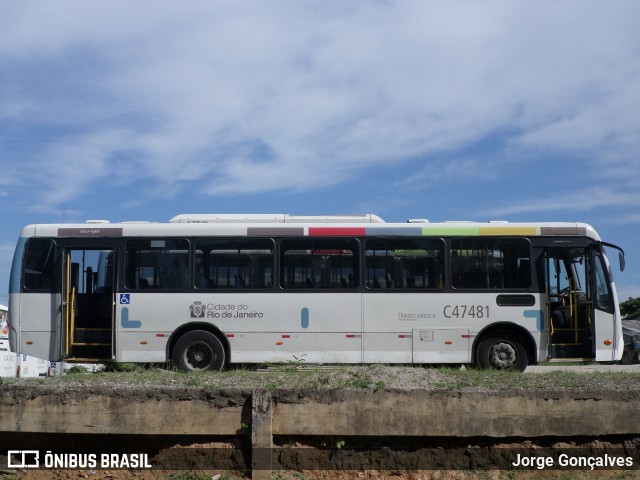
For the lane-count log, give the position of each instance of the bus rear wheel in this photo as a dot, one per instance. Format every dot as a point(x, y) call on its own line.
point(502, 351)
point(198, 351)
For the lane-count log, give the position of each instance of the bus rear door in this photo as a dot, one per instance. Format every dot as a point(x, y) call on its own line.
point(88, 304)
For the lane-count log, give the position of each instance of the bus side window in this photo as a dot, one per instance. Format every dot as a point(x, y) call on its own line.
point(319, 264)
point(234, 263)
point(524, 273)
point(157, 264)
point(490, 263)
point(404, 263)
point(39, 265)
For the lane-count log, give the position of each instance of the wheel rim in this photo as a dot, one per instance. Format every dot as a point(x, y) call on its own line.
point(199, 356)
point(503, 355)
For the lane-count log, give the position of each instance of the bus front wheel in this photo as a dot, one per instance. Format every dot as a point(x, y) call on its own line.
point(199, 350)
point(502, 351)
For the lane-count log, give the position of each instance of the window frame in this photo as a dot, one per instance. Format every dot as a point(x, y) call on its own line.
point(153, 289)
point(500, 243)
point(52, 261)
point(231, 240)
point(353, 244)
point(390, 282)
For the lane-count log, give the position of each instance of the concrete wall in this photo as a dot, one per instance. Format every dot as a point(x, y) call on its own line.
point(347, 412)
point(342, 413)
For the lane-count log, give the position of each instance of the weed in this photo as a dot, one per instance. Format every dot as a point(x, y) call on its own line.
point(333, 442)
point(293, 365)
point(77, 369)
point(193, 382)
point(359, 379)
point(124, 367)
point(245, 429)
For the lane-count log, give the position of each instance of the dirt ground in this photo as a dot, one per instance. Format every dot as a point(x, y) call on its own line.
point(403, 457)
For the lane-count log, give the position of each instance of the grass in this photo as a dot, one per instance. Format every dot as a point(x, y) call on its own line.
point(372, 377)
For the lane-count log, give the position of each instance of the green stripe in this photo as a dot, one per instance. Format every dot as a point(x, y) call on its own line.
point(444, 231)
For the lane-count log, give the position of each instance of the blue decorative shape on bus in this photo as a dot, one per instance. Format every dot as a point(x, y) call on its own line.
point(125, 322)
point(537, 314)
point(304, 317)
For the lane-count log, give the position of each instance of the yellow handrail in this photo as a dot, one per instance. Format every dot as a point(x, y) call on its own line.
point(66, 304)
point(73, 313)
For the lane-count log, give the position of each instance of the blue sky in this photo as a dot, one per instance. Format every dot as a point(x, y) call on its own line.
point(446, 110)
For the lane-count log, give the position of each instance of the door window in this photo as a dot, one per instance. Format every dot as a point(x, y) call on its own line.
point(603, 289)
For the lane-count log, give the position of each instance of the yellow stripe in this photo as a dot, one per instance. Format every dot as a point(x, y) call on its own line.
point(505, 230)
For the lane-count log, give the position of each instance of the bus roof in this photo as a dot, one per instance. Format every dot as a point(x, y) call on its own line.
point(289, 225)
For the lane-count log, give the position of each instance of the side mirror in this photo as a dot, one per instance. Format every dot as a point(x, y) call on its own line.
point(620, 253)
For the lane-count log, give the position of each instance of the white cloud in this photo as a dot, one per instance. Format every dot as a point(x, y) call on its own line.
point(580, 201)
point(247, 98)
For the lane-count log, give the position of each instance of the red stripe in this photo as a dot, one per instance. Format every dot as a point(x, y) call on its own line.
point(230, 335)
point(286, 336)
point(336, 232)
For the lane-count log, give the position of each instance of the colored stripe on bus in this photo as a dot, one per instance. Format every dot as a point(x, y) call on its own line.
point(275, 232)
point(445, 231)
point(579, 231)
point(336, 232)
point(524, 231)
point(478, 231)
point(398, 232)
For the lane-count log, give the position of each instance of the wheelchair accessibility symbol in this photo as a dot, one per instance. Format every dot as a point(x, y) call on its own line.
point(125, 298)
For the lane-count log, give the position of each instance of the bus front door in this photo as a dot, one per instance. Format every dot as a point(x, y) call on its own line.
point(609, 342)
point(569, 306)
point(88, 304)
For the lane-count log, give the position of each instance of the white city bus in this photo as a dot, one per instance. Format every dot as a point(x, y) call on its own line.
point(203, 291)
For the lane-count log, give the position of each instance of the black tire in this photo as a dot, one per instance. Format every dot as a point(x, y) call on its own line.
point(198, 351)
point(502, 351)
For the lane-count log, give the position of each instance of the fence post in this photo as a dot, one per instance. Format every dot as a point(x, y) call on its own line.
point(261, 434)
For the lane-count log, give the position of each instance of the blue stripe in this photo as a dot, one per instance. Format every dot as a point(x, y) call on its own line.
point(396, 231)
